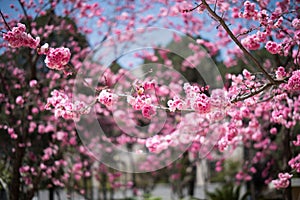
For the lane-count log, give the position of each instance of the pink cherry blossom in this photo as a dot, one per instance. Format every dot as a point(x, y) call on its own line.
point(219, 166)
point(273, 47)
point(64, 107)
point(43, 49)
point(195, 98)
point(201, 104)
point(33, 83)
point(157, 143)
point(20, 100)
point(294, 81)
point(107, 98)
point(12, 133)
point(283, 181)
point(297, 142)
point(60, 135)
point(215, 120)
point(280, 73)
point(243, 176)
point(176, 103)
point(295, 163)
point(249, 10)
point(57, 58)
point(251, 42)
point(149, 85)
point(273, 131)
point(296, 23)
point(148, 111)
point(17, 37)
point(143, 98)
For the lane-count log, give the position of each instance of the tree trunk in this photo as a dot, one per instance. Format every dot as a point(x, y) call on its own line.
point(287, 155)
point(252, 190)
point(51, 193)
point(92, 187)
point(103, 183)
point(192, 181)
point(14, 188)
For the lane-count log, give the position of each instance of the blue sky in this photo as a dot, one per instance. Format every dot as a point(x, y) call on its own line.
point(94, 37)
point(158, 39)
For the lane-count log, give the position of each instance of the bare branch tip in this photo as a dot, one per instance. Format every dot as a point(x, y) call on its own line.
point(5, 22)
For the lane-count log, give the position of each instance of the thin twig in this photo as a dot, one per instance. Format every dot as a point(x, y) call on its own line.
point(245, 51)
point(41, 9)
point(26, 15)
point(5, 22)
point(215, 6)
point(251, 94)
point(265, 100)
point(192, 9)
point(282, 14)
point(248, 31)
point(297, 58)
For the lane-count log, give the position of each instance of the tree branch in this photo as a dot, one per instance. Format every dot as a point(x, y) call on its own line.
point(5, 22)
point(251, 94)
point(237, 42)
point(26, 15)
point(190, 10)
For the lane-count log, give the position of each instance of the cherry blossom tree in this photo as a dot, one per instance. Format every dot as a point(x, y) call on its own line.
point(46, 54)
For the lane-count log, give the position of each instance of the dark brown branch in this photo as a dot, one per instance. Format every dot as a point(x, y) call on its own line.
point(297, 59)
point(33, 67)
point(251, 94)
point(241, 97)
point(232, 36)
point(5, 22)
point(282, 14)
point(192, 9)
point(215, 6)
point(42, 8)
point(248, 31)
point(26, 15)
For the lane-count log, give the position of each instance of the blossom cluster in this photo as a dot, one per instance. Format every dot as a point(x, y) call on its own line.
point(195, 99)
point(296, 23)
point(280, 73)
point(297, 142)
point(240, 176)
point(12, 133)
point(107, 98)
point(64, 107)
point(271, 23)
point(295, 163)
point(201, 103)
point(142, 100)
point(251, 42)
point(180, 138)
point(186, 133)
point(228, 136)
point(20, 100)
point(18, 37)
point(249, 121)
point(283, 181)
point(158, 143)
point(294, 81)
point(176, 103)
point(56, 58)
point(249, 10)
point(273, 47)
